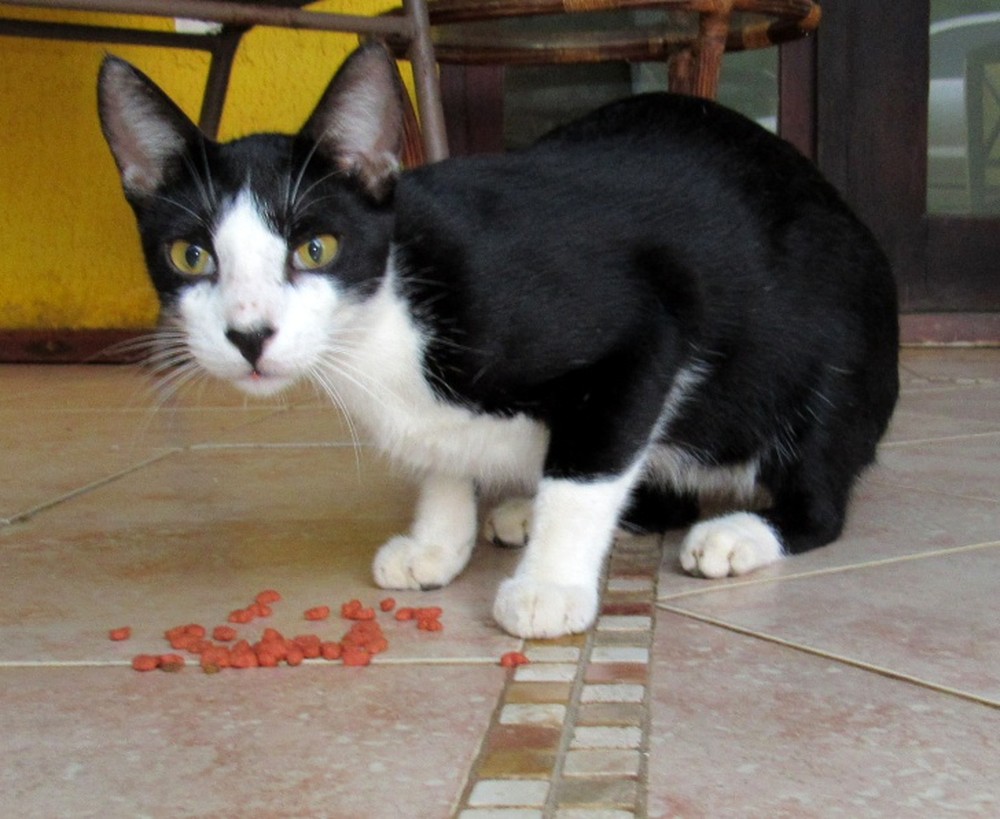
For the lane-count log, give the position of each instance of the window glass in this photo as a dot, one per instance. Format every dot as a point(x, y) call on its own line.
point(963, 127)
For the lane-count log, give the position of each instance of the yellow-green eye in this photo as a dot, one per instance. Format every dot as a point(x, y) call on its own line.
point(318, 252)
point(191, 259)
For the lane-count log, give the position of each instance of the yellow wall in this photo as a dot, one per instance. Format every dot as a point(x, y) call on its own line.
point(69, 252)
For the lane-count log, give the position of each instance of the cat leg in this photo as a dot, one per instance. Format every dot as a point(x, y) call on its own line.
point(732, 544)
point(555, 588)
point(509, 523)
point(440, 541)
point(808, 510)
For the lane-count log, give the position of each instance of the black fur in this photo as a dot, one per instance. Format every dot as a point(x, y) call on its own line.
point(576, 280)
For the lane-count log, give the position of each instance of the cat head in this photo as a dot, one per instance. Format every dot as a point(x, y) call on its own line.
point(260, 248)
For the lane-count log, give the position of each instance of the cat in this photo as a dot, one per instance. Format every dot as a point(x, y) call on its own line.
point(658, 300)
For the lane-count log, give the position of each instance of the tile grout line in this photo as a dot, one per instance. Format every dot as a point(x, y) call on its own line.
point(888, 561)
point(28, 514)
point(833, 656)
point(571, 729)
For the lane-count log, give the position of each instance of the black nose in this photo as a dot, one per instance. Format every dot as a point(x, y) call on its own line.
point(250, 342)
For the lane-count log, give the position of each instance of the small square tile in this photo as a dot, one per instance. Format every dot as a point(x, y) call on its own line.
point(619, 654)
point(545, 672)
point(605, 762)
point(553, 654)
point(624, 623)
point(613, 693)
point(520, 763)
point(519, 691)
point(500, 813)
point(630, 584)
point(594, 813)
point(550, 714)
point(597, 794)
point(605, 736)
point(610, 713)
point(509, 793)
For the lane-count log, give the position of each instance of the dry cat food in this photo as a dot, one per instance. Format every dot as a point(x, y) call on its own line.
point(512, 659)
point(224, 648)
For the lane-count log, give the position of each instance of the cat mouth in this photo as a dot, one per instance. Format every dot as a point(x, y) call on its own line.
point(259, 382)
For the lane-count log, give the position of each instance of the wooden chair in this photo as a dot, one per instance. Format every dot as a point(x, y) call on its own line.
point(409, 29)
point(465, 32)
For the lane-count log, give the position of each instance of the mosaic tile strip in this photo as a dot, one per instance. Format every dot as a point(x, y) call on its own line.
point(570, 737)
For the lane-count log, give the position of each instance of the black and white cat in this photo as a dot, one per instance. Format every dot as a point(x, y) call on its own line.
point(657, 300)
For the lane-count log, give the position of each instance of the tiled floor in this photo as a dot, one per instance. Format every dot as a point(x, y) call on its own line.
point(858, 680)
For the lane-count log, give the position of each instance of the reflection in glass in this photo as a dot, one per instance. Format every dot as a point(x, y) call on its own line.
point(963, 152)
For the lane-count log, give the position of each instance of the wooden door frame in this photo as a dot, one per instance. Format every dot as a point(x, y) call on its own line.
point(872, 82)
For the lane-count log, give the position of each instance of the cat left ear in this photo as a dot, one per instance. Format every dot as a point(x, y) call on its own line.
point(358, 122)
point(143, 127)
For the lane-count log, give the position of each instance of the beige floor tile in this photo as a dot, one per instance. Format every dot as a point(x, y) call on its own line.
point(928, 618)
point(324, 742)
point(749, 730)
point(196, 535)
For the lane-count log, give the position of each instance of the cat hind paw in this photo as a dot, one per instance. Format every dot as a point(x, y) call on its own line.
point(733, 544)
point(532, 609)
point(509, 523)
point(405, 563)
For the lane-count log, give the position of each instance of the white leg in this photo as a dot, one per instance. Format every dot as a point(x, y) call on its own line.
point(440, 541)
point(509, 524)
point(730, 545)
point(555, 588)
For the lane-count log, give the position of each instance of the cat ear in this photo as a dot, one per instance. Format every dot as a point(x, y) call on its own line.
point(144, 128)
point(358, 122)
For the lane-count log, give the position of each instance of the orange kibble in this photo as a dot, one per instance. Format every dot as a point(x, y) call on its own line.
point(309, 644)
point(294, 656)
point(513, 658)
point(355, 656)
point(430, 625)
point(317, 613)
point(145, 662)
point(260, 609)
point(405, 614)
point(267, 597)
point(430, 612)
point(330, 651)
point(224, 634)
point(388, 604)
point(377, 645)
point(119, 634)
point(240, 616)
point(171, 662)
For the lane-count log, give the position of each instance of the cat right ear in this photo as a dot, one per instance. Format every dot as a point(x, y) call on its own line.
point(358, 122)
point(143, 127)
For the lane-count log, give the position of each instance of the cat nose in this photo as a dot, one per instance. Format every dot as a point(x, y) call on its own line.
point(250, 342)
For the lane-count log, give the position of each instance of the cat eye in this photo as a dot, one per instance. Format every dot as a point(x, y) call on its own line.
point(318, 252)
point(191, 259)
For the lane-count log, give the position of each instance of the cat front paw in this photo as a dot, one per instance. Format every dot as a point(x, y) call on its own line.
point(527, 608)
point(730, 545)
point(405, 563)
point(509, 523)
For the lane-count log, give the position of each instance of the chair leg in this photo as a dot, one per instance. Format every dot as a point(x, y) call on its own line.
point(421, 56)
point(713, 29)
point(223, 53)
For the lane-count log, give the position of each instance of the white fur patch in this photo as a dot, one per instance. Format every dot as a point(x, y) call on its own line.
point(555, 588)
point(730, 545)
point(440, 542)
point(509, 523)
point(252, 291)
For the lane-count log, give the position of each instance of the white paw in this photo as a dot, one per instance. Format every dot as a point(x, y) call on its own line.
point(509, 523)
point(404, 563)
point(527, 608)
point(730, 545)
